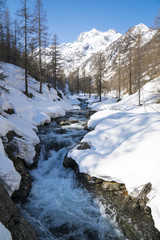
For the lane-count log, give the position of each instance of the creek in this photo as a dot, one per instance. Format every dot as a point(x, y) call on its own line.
point(58, 207)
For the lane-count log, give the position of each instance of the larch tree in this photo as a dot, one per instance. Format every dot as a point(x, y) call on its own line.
point(119, 72)
point(100, 70)
point(77, 81)
point(130, 64)
point(55, 62)
point(2, 32)
point(139, 36)
point(7, 25)
point(40, 35)
point(157, 21)
point(24, 16)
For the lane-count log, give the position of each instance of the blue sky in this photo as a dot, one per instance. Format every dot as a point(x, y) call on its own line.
point(68, 18)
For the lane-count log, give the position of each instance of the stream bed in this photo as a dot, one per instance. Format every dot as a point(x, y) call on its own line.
point(58, 207)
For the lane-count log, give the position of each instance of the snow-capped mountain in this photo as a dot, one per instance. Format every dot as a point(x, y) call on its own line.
point(88, 43)
point(81, 52)
point(127, 42)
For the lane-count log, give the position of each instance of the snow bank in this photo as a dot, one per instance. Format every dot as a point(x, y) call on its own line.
point(8, 175)
point(28, 114)
point(4, 233)
point(125, 144)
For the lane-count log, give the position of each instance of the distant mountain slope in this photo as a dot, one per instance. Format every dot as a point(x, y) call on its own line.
point(76, 53)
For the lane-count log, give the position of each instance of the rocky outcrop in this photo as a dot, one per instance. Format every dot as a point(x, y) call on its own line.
point(12, 219)
point(20, 166)
point(9, 216)
point(132, 215)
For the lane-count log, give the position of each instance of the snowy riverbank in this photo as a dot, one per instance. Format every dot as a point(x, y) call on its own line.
point(22, 115)
point(125, 144)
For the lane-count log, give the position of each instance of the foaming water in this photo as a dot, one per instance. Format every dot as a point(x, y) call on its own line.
point(57, 207)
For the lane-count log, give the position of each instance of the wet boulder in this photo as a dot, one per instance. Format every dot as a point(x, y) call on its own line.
point(70, 163)
point(83, 146)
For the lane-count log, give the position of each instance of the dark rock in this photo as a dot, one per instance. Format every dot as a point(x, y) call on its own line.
point(11, 218)
point(59, 94)
point(26, 182)
point(64, 123)
point(60, 131)
point(91, 235)
point(20, 166)
point(110, 186)
point(73, 121)
point(52, 144)
point(70, 163)
point(60, 230)
point(83, 146)
point(132, 215)
point(90, 113)
point(10, 111)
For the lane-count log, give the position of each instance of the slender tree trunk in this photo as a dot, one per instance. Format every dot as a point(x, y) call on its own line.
point(139, 68)
point(119, 75)
point(89, 86)
point(40, 48)
point(25, 57)
point(130, 72)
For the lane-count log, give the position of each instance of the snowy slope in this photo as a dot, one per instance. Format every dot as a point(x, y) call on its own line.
point(28, 114)
point(125, 144)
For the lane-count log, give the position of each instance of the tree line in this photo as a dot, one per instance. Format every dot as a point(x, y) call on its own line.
point(23, 42)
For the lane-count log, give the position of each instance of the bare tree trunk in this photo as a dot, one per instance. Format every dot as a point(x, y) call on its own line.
point(130, 71)
point(139, 68)
point(119, 75)
point(40, 46)
point(89, 86)
point(26, 53)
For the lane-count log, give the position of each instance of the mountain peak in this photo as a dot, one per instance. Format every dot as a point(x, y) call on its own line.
point(96, 34)
point(140, 27)
point(89, 34)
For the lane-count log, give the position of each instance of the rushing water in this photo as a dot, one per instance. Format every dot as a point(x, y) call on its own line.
point(57, 207)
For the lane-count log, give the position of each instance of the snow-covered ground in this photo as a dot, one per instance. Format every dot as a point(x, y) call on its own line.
point(4, 233)
point(125, 143)
point(28, 114)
